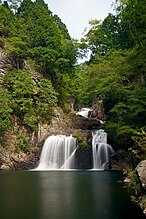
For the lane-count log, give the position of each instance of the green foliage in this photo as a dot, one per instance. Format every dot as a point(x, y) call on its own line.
point(42, 37)
point(103, 36)
point(21, 143)
point(49, 44)
point(62, 27)
point(132, 16)
point(5, 110)
point(116, 82)
point(140, 144)
point(46, 100)
point(6, 24)
point(120, 135)
point(117, 71)
point(133, 185)
point(31, 102)
point(45, 40)
point(124, 30)
point(81, 140)
point(17, 51)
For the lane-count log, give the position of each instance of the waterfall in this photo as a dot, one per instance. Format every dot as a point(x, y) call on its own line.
point(100, 149)
point(58, 153)
point(85, 112)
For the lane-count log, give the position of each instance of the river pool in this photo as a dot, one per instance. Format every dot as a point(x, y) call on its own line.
point(65, 195)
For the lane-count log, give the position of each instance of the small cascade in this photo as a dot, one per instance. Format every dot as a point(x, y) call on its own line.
point(100, 149)
point(85, 112)
point(58, 153)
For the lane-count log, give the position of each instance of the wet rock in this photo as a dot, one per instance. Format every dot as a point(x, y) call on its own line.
point(83, 159)
point(5, 167)
point(98, 111)
point(94, 124)
point(23, 161)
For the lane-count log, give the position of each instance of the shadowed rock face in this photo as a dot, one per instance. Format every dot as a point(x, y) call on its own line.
point(5, 64)
point(83, 159)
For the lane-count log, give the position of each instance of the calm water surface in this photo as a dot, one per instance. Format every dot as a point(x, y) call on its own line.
point(65, 195)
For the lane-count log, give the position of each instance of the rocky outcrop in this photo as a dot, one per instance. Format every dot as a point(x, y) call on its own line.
point(141, 172)
point(98, 111)
point(5, 64)
point(121, 161)
point(136, 183)
point(70, 124)
point(12, 160)
point(15, 161)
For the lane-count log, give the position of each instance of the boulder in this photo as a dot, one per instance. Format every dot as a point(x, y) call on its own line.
point(141, 171)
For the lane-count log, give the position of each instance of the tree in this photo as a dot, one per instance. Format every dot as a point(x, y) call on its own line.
point(49, 42)
point(32, 103)
point(6, 24)
point(103, 36)
point(17, 51)
point(120, 83)
point(5, 111)
point(131, 14)
point(62, 27)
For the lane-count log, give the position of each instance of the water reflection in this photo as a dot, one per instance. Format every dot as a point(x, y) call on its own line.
point(87, 195)
point(19, 195)
point(57, 194)
point(65, 195)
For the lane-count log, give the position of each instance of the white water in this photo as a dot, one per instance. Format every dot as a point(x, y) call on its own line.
point(58, 153)
point(84, 112)
point(100, 149)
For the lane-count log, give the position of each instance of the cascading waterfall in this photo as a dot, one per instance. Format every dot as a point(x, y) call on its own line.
point(58, 153)
point(100, 149)
point(85, 112)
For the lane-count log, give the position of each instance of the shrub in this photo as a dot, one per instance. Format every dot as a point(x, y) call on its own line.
point(21, 143)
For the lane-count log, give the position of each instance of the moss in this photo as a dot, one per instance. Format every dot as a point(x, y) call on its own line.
point(82, 143)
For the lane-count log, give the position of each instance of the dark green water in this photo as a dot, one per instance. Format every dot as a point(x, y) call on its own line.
point(65, 195)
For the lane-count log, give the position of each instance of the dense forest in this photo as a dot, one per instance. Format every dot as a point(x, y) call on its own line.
point(32, 36)
point(116, 74)
point(45, 72)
